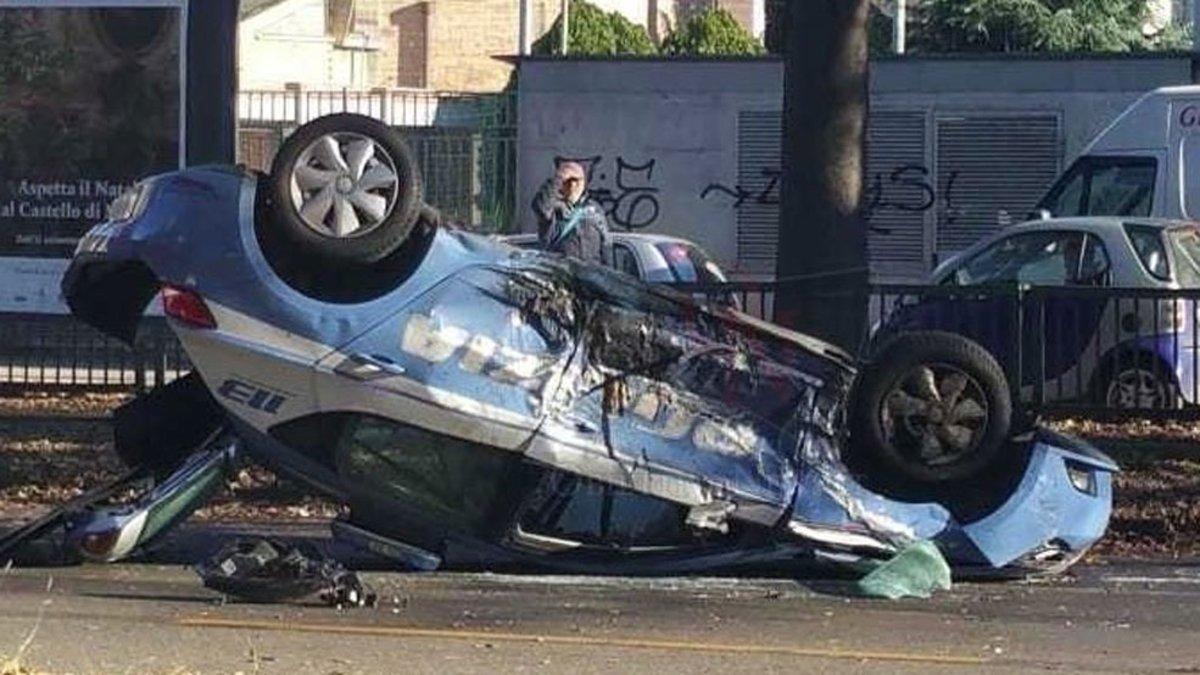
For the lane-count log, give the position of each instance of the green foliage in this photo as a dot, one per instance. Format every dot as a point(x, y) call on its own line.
point(1037, 25)
point(27, 57)
point(35, 132)
point(596, 33)
point(713, 32)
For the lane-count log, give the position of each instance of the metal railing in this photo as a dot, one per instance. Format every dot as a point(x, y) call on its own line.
point(55, 351)
point(465, 144)
point(1091, 352)
point(397, 107)
point(1102, 353)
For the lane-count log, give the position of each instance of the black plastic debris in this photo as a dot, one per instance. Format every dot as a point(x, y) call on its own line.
point(269, 571)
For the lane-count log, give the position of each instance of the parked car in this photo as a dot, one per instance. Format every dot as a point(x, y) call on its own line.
point(476, 405)
point(656, 258)
point(1115, 325)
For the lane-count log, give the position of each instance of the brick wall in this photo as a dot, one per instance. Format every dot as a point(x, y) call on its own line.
point(450, 44)
point(675, 12)
point(742, 10)
point(410, 35)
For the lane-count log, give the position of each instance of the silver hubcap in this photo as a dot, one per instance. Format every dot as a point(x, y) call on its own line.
point(1136, 388)
point(344, 185)
point(936, 412)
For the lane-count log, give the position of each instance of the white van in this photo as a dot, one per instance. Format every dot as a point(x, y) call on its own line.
point(1145, 164)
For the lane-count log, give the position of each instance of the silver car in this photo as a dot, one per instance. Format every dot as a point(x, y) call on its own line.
point(655, 258)
point(1129, 348)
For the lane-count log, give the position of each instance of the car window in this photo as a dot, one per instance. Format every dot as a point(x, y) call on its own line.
point(689, 264)
point(1038, 258)
point(624, 260)
point(584, 512)
point(1186, 245)
point(1095, 266)
point(1104, 186)
point(456, 481)
point(1151, 251)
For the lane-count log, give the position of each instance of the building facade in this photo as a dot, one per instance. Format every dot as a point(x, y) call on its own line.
point(439, 45)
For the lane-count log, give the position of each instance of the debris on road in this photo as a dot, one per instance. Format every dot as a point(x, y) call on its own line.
point(271, 571)
point(915, 572)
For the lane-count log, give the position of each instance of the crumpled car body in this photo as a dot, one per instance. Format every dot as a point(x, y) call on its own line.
point(494, 407)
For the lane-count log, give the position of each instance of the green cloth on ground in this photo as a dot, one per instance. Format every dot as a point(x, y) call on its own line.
point(915, 572)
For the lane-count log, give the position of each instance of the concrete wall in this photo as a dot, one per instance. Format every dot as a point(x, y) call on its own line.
point(654, 134)
point(662, 137)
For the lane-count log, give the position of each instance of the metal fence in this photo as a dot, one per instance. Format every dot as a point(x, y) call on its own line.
point(465, 144)
point(44, 350)
point(1101, 353)
point(1090, 352)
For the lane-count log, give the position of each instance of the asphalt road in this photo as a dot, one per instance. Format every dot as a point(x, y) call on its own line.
point(1133, 618)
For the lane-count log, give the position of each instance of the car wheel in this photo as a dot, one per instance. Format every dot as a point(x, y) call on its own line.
point(1140, 387)
point(930, 408)
point(345, 190)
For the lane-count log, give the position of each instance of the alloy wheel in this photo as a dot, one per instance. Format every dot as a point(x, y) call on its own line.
point(344, 185)
point(1137, 388)
point(936, 413)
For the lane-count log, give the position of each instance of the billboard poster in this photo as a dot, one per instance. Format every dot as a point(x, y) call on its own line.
point(91, 99)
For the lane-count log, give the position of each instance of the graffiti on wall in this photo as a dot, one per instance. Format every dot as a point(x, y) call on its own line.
point(908, 188)
point(627, 191)
point(765, 195)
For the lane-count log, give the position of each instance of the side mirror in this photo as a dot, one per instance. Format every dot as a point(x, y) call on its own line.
point(1042, 214)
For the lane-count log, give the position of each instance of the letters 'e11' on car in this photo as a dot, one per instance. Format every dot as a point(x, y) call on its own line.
point(478, 405)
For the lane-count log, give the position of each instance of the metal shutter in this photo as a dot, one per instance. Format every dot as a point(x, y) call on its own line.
point(991, 163)
point(760, 142)
point(898, 195)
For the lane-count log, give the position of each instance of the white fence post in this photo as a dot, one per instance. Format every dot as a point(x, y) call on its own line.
point(293, 90)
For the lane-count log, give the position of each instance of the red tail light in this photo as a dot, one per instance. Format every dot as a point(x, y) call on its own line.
point(100, 544)
point(186, 306)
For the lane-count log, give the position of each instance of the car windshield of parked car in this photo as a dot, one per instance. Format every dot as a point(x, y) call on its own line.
point(690, 265)
point(1151, 251)
point(1038, 258)
point(1103, 186)
point(1185, 243)
point(625, 261)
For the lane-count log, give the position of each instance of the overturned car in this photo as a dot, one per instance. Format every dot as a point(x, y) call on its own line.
point(476, 405)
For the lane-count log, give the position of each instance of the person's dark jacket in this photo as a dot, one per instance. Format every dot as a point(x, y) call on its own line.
point(579, 231)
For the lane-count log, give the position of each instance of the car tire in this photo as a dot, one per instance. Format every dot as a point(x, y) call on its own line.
point(930, 408)
point(1138, 384)
point(344, 192)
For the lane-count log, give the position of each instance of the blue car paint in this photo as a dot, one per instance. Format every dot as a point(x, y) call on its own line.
point(1045, 506)
point(222, 203)
point(1176, 355)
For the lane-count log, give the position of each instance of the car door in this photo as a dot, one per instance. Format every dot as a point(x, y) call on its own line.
point(1043, 339)
point(474, 357)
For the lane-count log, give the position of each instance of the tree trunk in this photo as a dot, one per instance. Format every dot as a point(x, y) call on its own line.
point(822, 256)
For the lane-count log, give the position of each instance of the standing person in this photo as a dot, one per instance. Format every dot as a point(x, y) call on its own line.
point(570, 222)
